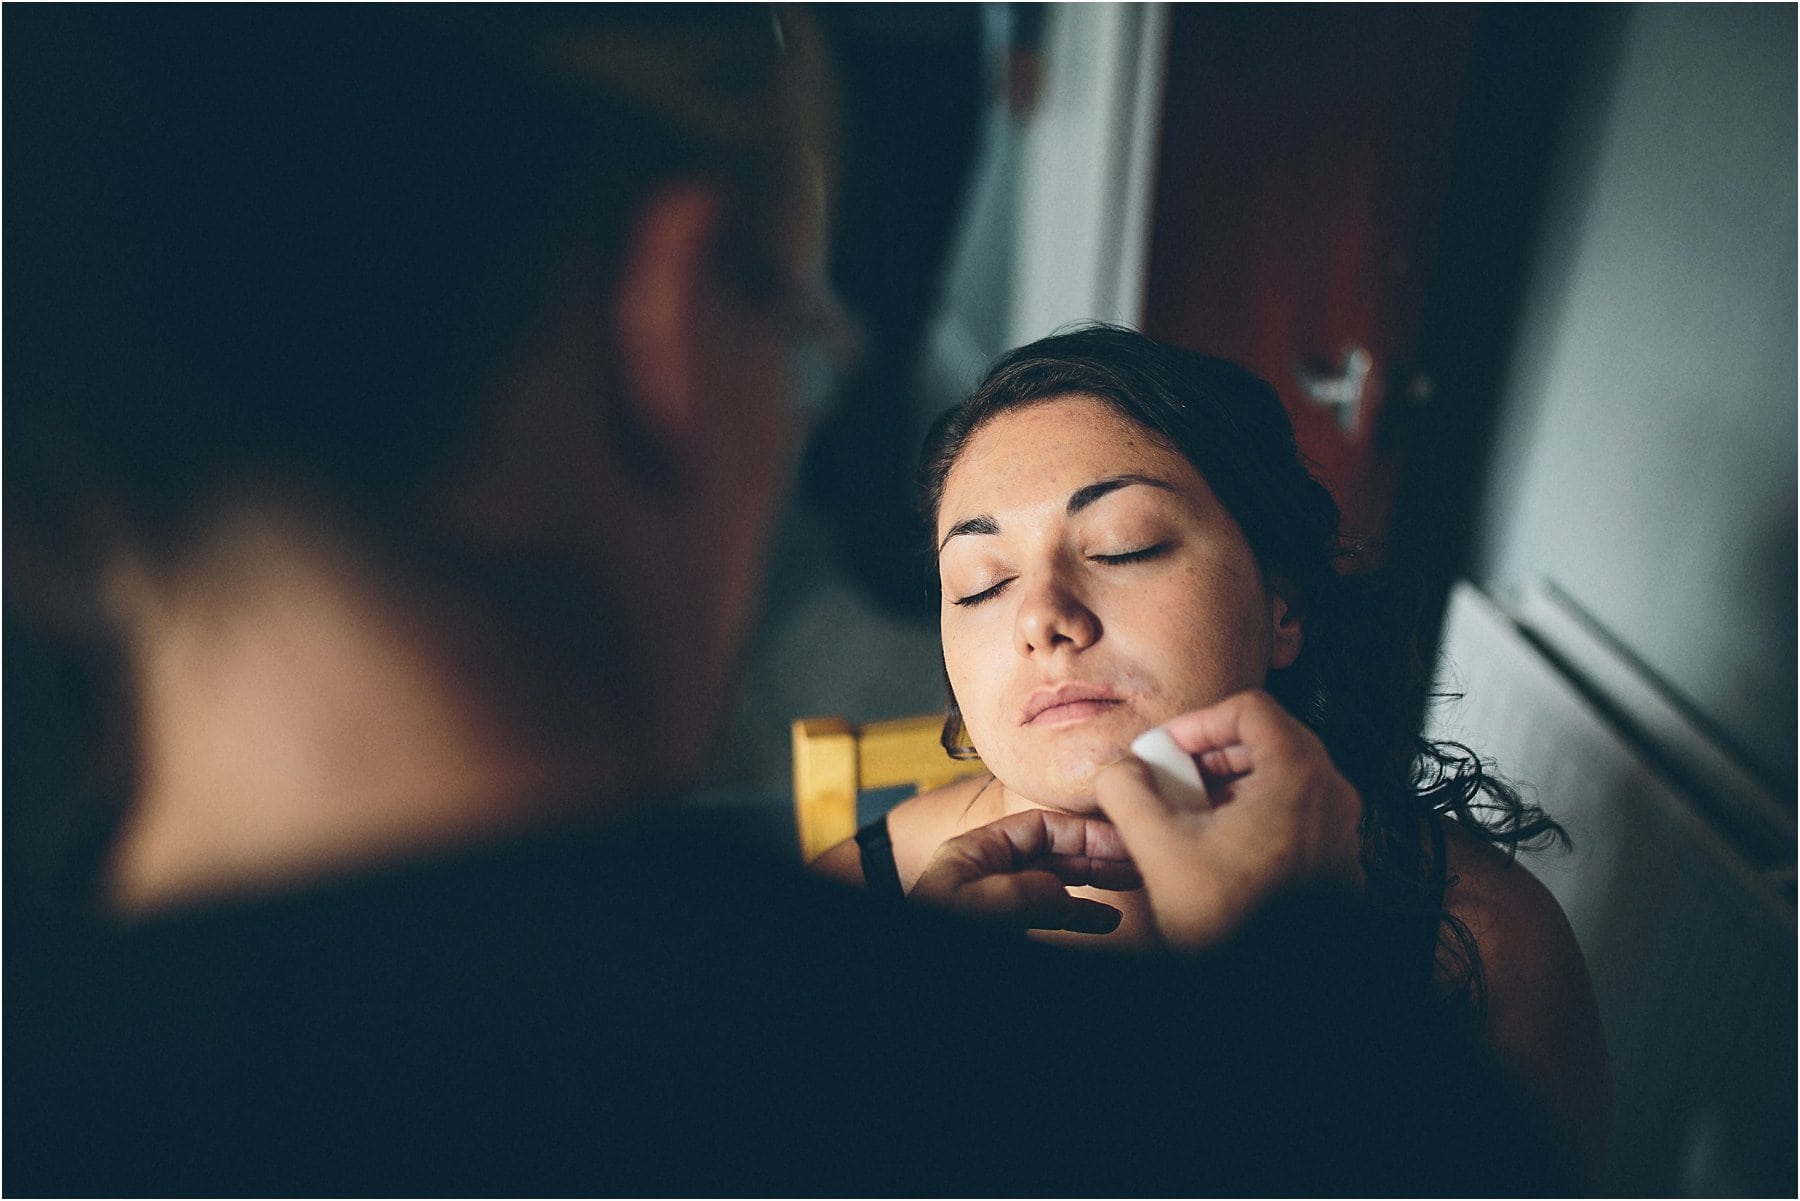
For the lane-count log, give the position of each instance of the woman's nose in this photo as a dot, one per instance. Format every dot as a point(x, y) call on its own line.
point(1051, 617)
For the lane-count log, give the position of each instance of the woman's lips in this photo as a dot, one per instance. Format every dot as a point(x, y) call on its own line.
point(1072, 711)
point(1070, 701)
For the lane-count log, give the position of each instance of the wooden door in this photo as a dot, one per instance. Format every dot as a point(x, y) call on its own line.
point(1305, 159)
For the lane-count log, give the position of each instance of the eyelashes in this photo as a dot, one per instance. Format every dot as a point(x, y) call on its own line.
point(977, 598)
point(1132, 556)
point(1119, 560)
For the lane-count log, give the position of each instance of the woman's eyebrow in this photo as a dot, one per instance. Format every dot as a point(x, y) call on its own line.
point(1081, 498)
point(982, 524)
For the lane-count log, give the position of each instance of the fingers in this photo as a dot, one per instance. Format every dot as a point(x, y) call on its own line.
point(1016, 871)
point(1285, 817)
point(1069, 845)
point(1085, 916)
point(1114, 875)
point(1126, 793)
point(1147, 824)
point(1226, 737)
point(1042, 833)
point(1036, 900)
point(1076, 850)
point(978, 854)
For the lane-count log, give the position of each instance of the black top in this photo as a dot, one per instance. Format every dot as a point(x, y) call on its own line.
point(656, 1012)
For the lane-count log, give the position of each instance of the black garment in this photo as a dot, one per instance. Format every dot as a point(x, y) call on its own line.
point(655, 1013)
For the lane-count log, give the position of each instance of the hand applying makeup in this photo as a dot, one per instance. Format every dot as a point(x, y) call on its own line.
point(1282, 817)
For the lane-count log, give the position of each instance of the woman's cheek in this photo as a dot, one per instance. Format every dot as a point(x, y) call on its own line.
point(976, 702)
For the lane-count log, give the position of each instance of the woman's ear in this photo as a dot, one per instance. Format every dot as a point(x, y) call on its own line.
point(1288, 628)
point(664, 309)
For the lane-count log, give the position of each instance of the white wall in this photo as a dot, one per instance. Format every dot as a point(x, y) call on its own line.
point(1646, 459)
point(1690, 945)
point(1057, 228)
point(1086, 170)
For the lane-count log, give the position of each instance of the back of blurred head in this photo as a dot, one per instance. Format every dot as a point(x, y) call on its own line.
point(486, 310)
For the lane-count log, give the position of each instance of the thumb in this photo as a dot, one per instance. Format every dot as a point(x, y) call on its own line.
point(1126, 793)
point(1177, 864)
point(1044, 903)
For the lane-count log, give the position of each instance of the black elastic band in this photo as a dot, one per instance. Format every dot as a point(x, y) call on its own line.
point(880, 873)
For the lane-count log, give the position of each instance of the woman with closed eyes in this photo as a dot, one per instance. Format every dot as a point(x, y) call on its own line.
point(1126, 536)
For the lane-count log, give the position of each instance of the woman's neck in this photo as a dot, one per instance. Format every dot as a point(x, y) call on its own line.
point(1006, 801)
point(292, 721)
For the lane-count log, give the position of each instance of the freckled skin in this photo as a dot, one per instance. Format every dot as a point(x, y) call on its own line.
point(1182, 628)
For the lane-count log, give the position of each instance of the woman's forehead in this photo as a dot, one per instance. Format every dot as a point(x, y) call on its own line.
point(1041, 452)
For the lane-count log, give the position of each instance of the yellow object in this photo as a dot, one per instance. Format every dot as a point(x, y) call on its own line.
point(834, 760)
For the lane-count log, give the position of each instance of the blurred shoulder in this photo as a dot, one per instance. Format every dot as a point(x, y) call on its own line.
point(1496, 896)
point(1543, 1022)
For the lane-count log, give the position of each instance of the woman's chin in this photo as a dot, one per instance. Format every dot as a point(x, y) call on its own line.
point(1068, 784)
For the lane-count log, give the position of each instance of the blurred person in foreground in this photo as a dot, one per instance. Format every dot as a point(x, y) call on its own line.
point(401, 396)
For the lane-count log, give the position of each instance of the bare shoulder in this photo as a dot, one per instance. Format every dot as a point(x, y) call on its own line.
point(1528, 952)
point(1500, 901)
point(1542, 1023)
point(921, 824)
point(916, 826)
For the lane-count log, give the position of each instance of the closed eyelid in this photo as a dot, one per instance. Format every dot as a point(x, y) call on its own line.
point(975, 598)
point(970, 572)
point(1150, 551)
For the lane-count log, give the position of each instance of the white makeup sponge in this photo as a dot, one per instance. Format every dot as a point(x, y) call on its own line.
point(1177, 776)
